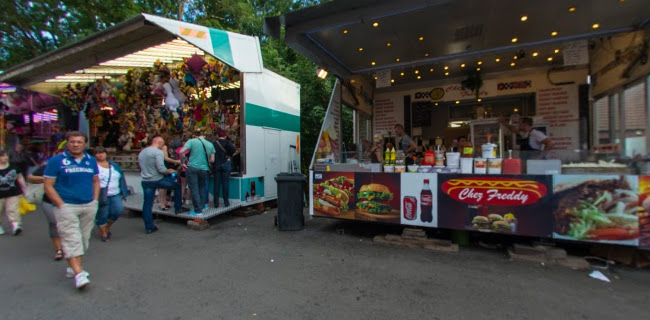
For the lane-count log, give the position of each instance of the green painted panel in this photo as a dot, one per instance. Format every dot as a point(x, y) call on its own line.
point(221, 46)
point(264, 117)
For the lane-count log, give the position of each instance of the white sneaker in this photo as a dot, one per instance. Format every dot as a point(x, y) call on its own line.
point(2, 231)
point(81, 280)
point(17, 228)
point(70, 273)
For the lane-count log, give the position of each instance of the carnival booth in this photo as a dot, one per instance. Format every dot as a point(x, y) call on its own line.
point(151, 75)
point(462, 78)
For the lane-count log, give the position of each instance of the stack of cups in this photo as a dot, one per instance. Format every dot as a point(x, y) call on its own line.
point(466, 165)
point(453, 159)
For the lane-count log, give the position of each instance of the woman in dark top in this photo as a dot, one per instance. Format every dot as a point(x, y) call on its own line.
point(12, 186)
point(222, 166)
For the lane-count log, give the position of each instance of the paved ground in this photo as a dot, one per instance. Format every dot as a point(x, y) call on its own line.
point(243, 269)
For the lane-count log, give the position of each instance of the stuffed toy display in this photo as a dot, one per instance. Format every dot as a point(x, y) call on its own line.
point(144, 101)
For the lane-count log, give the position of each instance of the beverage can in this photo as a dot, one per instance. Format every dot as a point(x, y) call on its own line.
point(410, 208)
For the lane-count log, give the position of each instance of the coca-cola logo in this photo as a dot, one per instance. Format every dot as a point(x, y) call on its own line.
point(494, 191)
point(515, 85)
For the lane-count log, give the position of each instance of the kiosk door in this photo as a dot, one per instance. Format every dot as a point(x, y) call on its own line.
point(272, 161)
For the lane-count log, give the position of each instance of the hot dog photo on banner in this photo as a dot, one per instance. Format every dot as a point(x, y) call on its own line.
point(334, 194)
point(508, 204)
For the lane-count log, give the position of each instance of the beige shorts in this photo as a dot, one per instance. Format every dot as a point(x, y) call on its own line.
point(75, 222)
point(9, 206)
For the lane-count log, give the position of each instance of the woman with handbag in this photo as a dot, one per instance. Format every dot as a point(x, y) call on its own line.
point(222, 166)
point(112, 193)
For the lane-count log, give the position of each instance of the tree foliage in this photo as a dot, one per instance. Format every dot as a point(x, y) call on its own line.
point(31, 28)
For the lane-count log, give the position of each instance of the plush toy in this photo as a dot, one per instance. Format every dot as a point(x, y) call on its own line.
point(176, 91)
point(126, 140)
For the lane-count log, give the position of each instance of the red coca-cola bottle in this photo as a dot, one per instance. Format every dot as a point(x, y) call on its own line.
point(426, 203)
point(252, 189)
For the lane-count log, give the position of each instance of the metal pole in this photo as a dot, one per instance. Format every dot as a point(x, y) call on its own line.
point(621, 120)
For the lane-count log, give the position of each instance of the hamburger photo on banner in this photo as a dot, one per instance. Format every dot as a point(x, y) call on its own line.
point(374, 198)
point(333, 196)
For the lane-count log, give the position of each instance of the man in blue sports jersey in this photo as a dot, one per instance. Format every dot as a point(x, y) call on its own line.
point(72, 184)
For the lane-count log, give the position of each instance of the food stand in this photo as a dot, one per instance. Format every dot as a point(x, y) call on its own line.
point(151, 75)
point(478, 65)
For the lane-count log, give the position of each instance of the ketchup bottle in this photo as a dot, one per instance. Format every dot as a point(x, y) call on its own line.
point(426, 203)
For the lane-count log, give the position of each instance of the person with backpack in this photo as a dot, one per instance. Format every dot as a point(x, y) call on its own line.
point(222, 165)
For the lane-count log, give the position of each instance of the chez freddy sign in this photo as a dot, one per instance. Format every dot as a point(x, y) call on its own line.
point(494, 191)
point(456, 92)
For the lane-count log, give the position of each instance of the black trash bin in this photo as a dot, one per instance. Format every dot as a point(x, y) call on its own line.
point(290, 201)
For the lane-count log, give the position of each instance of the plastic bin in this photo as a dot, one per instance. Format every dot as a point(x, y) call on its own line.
point(290, 201)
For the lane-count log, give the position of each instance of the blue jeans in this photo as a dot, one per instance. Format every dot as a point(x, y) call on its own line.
point(197, 179)
point(221, 178)
point(149, 189)
point(111, 211)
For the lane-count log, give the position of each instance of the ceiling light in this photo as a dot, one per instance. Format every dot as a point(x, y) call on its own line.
point(524, 18)
point(431, 70)
point(479, 100)
point(535, 54)
point(321, 73)
point(397, 60)
point(457, 102)
point(515, 57)
point(462, 65)
point(421, 38)
point(554, 33)
point(392, 80)
point(512, 64)
point(514, 40)
point(401, 74)
point(417, 71)
point(446, 73)
point(375, 77)
point(549, 59)
point(419, 77)
point(436, 103)
point(478, 69)
point(426, 54)
point(516, 110)
point(557, 50)
point(446, 67)
point(372, 63)
point(572, 9)
point(497, 59)
point(595, 26)
point(480, 63)
point(376, 24)
point(345, 31)
point(360, 49)
point(388, 44)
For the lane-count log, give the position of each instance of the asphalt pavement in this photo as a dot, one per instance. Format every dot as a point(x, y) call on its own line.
point(242, 268)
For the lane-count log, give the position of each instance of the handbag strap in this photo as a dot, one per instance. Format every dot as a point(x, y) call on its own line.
point(220, 146)
point(207, 159)
point(110, 171)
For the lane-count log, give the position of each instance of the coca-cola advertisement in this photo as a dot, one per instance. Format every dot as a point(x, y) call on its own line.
point(508, 204)
point(419, 199)
point(377, 197)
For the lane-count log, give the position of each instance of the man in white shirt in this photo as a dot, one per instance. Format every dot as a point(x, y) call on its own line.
point(533, 144)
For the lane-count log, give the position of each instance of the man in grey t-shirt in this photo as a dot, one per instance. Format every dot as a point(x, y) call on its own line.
point(156, 176)
point(405, 143)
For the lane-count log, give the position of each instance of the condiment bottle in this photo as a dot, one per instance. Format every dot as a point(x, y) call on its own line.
point(510, 165)
point(392, 156)
point(467, 150)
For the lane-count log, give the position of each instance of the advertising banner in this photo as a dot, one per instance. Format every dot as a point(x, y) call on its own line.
point(509, 204)
point(357, 196)
point(419, 199)
point(644, 212)
point(597, 208)
point(329, 139)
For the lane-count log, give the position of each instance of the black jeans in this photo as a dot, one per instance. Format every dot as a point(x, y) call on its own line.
point(221, 178)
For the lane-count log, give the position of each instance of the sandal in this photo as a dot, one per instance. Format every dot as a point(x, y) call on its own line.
point(58, 255)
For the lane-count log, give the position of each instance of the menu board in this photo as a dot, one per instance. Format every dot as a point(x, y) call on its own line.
point(558, 108)
point(387, 113)
point(421, 114)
